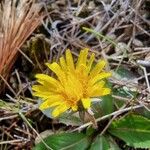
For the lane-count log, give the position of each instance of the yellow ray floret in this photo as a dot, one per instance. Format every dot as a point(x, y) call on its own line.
point(73, 83)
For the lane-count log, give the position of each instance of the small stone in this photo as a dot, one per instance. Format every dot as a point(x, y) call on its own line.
point(91, 5)
point(137, 43)
point(121, 47)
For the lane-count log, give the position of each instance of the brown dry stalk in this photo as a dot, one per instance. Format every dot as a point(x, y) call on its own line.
point(18, 19)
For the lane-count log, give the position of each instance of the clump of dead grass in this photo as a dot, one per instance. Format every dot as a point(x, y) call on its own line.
point(18, 19)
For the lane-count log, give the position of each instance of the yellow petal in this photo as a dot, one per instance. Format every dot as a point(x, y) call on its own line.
point(48, 104)
point(40, 88)
point(69, 60)
point(59, 110)
point(74, 108)
point(86, 102)
point(77, 86)
point(52, 101)
point(99, 85)
point(100, 92)
point(47, 79)
point(106, 91)
point(63, 64)
point(49, 86)
point(98, 68)
point(80, 59)
point(82, 71)
point(96, 86)
point(44, 91)
point(99, 77)
point(85, 54)
point(43, 96)
point(58, 71)
point(90, 62)
point(72, 89)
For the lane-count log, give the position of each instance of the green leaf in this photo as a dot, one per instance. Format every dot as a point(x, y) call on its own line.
point(70, 119)
point(144, 112)
point(107, 104)
point(90, 130)
point(100, 143)
point(123, 73)
point(125, 93)
point(133, 129)
point(104, 143)
point(104, 105)
point(65, 141)
point(113, 144)
point(128, 91)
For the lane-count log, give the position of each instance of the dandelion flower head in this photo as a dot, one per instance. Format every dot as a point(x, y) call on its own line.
point(74, 84)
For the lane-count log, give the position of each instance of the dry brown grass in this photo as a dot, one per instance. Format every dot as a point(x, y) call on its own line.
point(18, 19)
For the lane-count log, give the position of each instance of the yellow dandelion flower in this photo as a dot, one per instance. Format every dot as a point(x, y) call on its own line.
point(74, 83)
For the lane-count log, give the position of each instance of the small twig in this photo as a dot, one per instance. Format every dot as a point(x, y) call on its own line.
point(145, 63)
point(24, 118)
point(148, 74)
point(19, 81)
point(9, 117)
point(11, 141)
point(84, 20)
point(25, 56)
point(142, 49)
point(118, 112)
point(146, 78)
point(107, 126)
point(121, 98)
point(139, 27)
point(10, 88)
point(111, 120)
point(142, 103)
